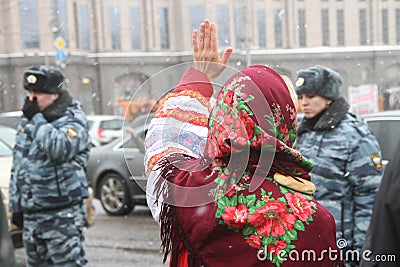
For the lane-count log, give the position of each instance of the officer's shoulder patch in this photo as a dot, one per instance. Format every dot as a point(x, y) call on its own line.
point(71, 132)
point(376, 161)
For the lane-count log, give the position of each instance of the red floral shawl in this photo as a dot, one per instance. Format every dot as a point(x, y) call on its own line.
point(238, 215)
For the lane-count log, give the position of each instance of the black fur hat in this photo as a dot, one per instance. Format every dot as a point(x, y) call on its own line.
point(43, 79)
point(319, 80)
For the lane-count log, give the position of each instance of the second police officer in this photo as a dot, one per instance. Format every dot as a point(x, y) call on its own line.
point(347, 157)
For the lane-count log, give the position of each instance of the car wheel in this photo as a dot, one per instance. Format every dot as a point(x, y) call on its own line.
point(114, 195)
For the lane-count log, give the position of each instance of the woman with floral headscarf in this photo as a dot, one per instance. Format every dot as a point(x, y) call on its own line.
point(233, 190)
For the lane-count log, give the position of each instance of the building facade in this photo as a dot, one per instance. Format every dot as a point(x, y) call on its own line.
point(136, 49)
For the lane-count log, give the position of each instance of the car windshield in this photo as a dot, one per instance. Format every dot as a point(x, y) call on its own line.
point(115, 124)
point(130, 143)
point(10, 121)
point(90, 124)
point(5, 150)
point(385, 131)
point(8, 135)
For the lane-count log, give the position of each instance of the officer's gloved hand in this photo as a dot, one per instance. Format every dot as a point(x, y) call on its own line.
point(17, 219)
point(30, 108)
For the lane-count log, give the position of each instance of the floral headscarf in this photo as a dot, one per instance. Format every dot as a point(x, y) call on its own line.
point(253, 127)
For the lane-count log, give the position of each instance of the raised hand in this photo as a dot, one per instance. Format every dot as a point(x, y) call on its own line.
point(205, 51)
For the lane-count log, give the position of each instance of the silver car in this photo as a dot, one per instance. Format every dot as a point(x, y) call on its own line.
point(117, 175)
point(104, 128)
point(116, 170)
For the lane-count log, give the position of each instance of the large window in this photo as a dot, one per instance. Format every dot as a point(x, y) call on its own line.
point(398, 26)
point(325, 27)
point(83, 27)
point(340, 26)
point(363, 26)
point(164, 37)
point(29, 23)
point(113, 13)
point(197, 16)
point(385, 26)
point(59, 21)
point(238, 27)
point(135, 27)
point(302, 28)
point(262, 38)
point(278, 16)
point(223, 23)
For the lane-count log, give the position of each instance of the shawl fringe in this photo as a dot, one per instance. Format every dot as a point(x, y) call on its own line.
point(173, 237)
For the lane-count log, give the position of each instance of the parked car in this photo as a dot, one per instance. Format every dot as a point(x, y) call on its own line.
point(8, 134)
point(116, 174)
point(7, 142)
point(10, 119)
point(386, 127)
point(104, 128)
point(116, 170)
point(5, 166)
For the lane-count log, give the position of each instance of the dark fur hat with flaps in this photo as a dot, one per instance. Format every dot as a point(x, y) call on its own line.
point(44, 79)
point(319, 80)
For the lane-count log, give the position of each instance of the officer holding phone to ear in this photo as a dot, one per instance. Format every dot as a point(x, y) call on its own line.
point(48, 181)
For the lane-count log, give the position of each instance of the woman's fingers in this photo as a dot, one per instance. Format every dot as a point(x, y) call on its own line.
point(195, 41)
point(214, 38)
point(208, 43)
point(206, 50)
point(226, 55)
point(202, 34)
point(207, 34)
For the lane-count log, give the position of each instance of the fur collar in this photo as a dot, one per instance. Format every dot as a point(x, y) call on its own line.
point(330, 118)
point(57, 109)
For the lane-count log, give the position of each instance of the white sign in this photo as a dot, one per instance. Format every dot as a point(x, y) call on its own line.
point(363, 99)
